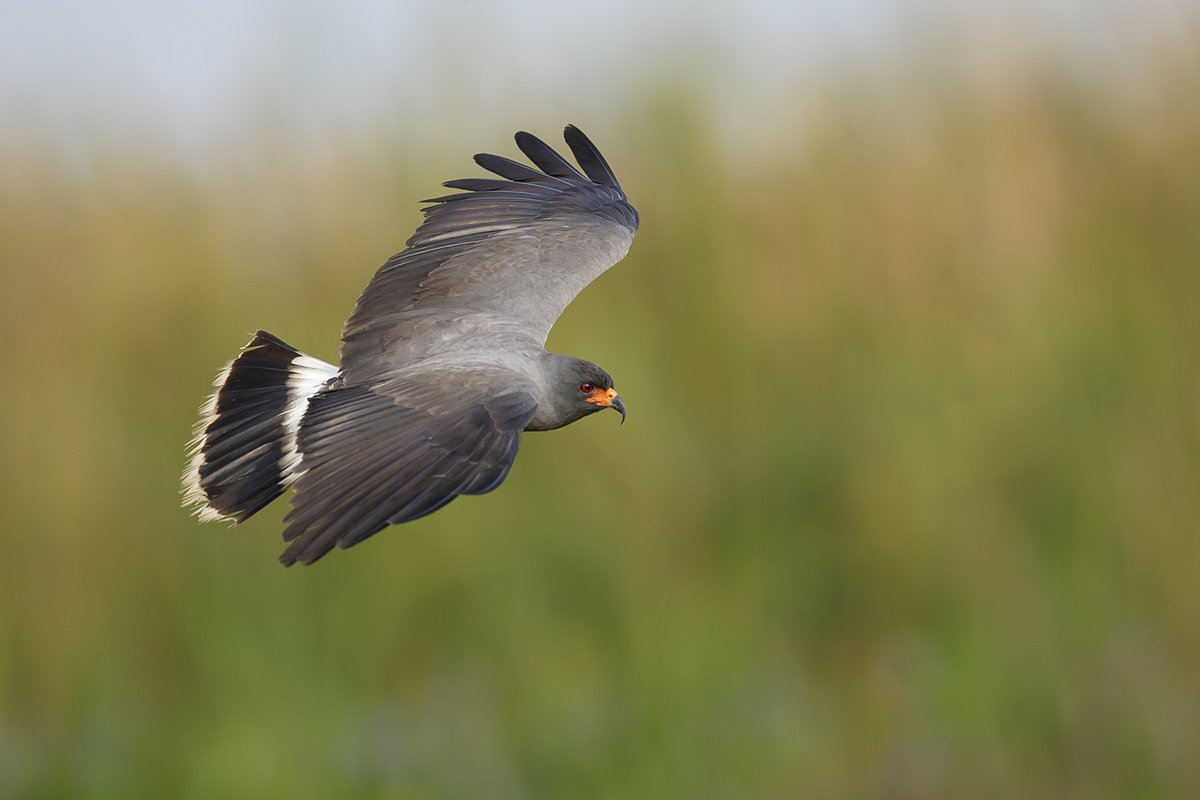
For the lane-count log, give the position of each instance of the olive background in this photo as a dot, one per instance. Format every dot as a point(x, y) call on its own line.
point(907, 504)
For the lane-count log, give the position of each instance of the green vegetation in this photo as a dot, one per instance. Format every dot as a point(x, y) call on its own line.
point(908, 504)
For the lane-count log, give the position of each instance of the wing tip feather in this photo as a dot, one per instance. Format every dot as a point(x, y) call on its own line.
point(590, 157)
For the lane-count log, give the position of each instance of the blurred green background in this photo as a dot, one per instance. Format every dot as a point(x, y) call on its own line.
point(907, 506)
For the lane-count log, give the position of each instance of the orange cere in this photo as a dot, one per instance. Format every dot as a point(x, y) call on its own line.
point(601, 397)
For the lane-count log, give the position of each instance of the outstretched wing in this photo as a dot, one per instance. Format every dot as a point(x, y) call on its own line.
point(393, 452)
point(509, 253)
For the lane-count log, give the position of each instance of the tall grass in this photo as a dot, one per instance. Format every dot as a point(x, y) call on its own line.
point(908, 504)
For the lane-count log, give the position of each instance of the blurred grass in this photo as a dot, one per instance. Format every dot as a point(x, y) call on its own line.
point(907, 505)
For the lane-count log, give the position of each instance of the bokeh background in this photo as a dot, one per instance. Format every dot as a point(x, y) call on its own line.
point(908, 503)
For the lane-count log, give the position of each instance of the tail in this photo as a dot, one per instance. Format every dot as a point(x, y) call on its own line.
point(244, 451)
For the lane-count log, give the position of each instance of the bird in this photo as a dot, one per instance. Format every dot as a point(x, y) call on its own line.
point(442, 365)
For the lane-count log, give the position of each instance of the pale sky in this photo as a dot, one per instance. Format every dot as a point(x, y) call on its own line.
point(189, 71)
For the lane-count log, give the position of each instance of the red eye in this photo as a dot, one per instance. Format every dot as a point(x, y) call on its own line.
point(586, 388)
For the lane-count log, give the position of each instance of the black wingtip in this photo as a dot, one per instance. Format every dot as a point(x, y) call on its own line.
point(507, 168)
point(545, 157)
point(589, 157)
point(551, 167)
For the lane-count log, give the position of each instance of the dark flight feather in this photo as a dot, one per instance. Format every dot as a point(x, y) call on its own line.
point(373, 458)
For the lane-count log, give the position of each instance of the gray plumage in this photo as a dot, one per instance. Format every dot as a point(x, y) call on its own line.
point(443, 363)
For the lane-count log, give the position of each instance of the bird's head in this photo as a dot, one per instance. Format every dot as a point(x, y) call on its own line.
point(596, 391)
point(574, 389)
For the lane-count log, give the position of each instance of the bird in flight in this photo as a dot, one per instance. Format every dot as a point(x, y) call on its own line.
point(443, 362)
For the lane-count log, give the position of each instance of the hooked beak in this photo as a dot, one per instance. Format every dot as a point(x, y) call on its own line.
point(608, 398)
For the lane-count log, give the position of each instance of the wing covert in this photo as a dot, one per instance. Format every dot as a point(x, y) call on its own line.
point(511, 252)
